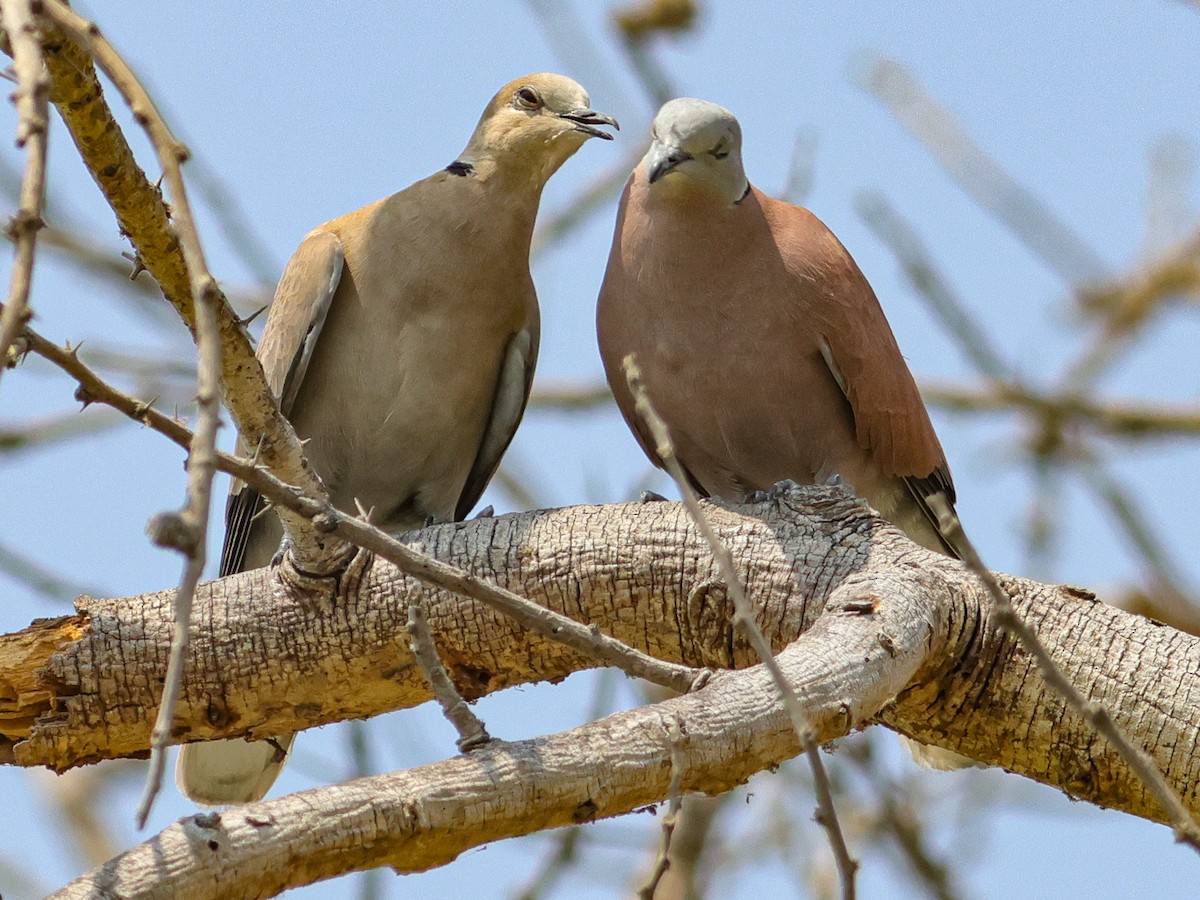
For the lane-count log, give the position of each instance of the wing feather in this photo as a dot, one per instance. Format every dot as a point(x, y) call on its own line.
point(508, 407)
point(861, 353)
point(294, 322)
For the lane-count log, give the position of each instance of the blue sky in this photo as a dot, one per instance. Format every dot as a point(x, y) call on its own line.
point(309, 110)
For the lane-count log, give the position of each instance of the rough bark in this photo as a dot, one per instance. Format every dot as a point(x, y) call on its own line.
point(269, 658)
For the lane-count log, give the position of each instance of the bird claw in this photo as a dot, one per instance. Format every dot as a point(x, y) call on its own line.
point(837, 481)
point(488, 512)
point(651, 497)
point(779, 488)
point(771, 494)
point(284, 547)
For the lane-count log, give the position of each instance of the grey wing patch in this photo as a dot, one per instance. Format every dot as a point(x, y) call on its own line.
point(302, 302)
point(508, 406)
point(922, 488)
point(831, 364)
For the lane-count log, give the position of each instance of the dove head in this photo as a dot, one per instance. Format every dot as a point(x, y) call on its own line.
point(533, 125)
point(696, 146)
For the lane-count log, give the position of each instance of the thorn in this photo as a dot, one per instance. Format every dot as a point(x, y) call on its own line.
point(363, 513)
point(254, 315)
point(488, 512)
point(651, 497)
point(143, 407)
point(138, 267)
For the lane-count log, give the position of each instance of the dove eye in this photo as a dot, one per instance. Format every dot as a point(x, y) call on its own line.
point(719, 152)
point(529, 98)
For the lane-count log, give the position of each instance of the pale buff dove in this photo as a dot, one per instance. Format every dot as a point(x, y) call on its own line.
point(401, 345)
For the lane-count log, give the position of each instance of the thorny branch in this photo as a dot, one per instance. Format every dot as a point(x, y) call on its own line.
point(329, 520)
point(168, 247)
point(186, 531)
point(674, 799)
point(33, 134)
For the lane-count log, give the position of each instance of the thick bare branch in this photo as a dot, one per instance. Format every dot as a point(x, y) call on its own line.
point(328, 520)
point(426, 817)
point(79, 688)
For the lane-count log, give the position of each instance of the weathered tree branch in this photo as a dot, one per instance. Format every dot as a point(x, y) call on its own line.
point(79, 688)
point(426, 817)
point(884, 614)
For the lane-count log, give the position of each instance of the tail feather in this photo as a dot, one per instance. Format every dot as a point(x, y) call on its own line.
point(215, 773)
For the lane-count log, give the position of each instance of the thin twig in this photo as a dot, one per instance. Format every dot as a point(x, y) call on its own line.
point(566, 851)
point(472, 733)
point(800, 168)
point(1169, 173)
point(240, 232)
point(899, 816)
point(578, 51)
point(638, 25)
point(1128, 304)
point(587, 640)
point(591, 199)
point(1185, 827)
point(1129, 517)
point(186, 531)
point(33, 87)
point(1118, 418)
point(674, 799)
point(52, 429)
point(826, 815)
point(570, 398)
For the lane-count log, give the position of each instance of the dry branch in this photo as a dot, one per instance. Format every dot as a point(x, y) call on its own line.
point(644, 570)
point(32, 134)
point(79, 688)
point(426, 817)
